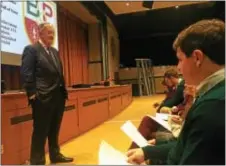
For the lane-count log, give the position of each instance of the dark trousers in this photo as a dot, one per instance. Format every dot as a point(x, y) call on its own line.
point(47, 118)
point(147, 128)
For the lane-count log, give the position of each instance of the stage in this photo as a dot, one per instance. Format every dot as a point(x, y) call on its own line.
point(85, 109)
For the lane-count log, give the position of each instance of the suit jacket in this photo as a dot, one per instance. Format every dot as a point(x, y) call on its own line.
point(41, 76)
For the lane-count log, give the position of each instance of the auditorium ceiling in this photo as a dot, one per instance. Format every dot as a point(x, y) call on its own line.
point(125, 7)
point(79, 11)
point(119, 7)
point(158, 18)
point(164, 18)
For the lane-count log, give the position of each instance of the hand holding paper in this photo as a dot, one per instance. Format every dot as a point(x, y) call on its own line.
point(162, 116)
point(110, 156)
point(163, 123)
point(134, 134)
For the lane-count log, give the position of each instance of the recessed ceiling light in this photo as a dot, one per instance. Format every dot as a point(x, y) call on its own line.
point(127, 3)
point(177, 7)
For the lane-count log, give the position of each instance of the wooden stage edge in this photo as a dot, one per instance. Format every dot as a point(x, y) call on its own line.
point(85, 109)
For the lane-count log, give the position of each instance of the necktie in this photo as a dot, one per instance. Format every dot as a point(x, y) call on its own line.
point(54, 61)
point(52, 56)
point(188, 104)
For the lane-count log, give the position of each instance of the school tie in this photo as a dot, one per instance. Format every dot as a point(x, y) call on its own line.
point(52, 56)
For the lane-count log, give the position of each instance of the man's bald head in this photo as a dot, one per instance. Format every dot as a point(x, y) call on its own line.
point(46, 33)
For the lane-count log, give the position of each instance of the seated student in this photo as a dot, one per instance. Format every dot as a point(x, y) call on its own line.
point(177, 84)
point(189, 90)
point(201, 52)
point(169, 92)
point(174, 97)
point(150, 129)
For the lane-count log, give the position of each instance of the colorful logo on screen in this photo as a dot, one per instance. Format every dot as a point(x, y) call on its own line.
point(36, 12)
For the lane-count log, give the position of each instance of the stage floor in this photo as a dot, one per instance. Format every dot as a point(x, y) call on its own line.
point(84, 149)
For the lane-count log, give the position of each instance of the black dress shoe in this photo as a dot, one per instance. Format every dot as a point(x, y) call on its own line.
point(60, 159)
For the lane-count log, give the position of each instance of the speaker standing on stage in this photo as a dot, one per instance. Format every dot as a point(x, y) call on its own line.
point(42, 74)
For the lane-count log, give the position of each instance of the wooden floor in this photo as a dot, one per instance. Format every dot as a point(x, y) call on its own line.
point(84, 149)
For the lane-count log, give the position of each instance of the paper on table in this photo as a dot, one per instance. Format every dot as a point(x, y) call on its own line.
point(162, 116)
point(163, 123)
point(134, 134)
point(108, 155)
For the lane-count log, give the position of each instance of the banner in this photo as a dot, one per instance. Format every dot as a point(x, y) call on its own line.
point(20, 20)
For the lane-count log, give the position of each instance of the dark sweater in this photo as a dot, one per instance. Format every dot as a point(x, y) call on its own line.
point(176, 99)
point(202, 140)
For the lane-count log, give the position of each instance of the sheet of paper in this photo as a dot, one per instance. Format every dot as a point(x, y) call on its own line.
point(162, 116)
point(132, 132)
point(108, 155)
point(163, 123)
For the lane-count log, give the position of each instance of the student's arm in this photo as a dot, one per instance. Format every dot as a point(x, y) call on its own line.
point(158, 152)
point(176, 99)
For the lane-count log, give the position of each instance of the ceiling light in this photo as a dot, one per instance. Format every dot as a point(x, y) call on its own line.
point(177, 7)
point(127, 3)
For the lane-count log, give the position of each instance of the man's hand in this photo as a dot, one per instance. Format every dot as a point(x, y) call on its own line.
point(135, 156)
point(155, 105)
point(176, 119)
point(174, 109)
point(32, 97)
point(152, 142)
point(165, 110)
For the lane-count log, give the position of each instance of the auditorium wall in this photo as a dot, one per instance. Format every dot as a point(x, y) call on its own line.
point(95, 56)
point(129, 76)
point(95, 60)
point(113, 49)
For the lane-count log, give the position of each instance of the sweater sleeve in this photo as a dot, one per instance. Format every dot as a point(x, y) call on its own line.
point(158, 152)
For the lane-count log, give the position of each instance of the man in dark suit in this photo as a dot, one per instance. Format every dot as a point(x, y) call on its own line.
point(42, 74)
